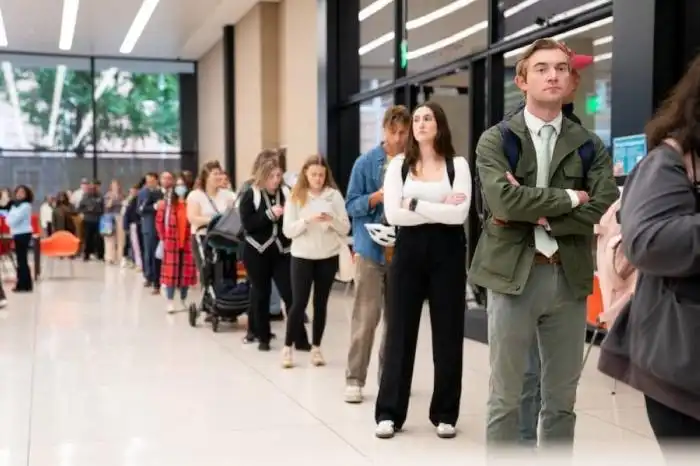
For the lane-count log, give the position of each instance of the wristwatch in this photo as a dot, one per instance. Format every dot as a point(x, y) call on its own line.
point(412, 205)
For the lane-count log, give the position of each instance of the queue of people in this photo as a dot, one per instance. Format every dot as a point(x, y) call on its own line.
point(534, 256)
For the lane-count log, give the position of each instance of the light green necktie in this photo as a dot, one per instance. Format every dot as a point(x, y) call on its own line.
point(543, 242)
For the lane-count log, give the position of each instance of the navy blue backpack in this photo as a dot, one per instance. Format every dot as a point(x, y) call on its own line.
point(512, 150)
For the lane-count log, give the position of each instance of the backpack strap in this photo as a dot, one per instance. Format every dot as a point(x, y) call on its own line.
point(587, 154)
point(511, 145)
point(449, 165)
point(404, 170)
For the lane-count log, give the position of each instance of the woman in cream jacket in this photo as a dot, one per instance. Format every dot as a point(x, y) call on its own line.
point(316, 222)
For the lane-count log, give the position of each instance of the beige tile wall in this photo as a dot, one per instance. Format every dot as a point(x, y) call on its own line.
point(276, 86)
point(210, 90)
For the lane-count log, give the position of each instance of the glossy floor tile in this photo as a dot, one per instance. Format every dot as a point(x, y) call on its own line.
point(94, 372)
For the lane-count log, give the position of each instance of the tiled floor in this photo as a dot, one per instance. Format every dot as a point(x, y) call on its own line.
point(93, 372)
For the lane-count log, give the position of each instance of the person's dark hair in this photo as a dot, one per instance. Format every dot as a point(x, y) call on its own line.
point(62, 199)
point(206, 171)
point(186, 176)
point(678, 117)
point(153, 175)
point(443, 138)
point(28, 193)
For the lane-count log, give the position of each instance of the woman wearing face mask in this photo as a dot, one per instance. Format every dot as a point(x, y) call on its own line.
point(316, 221)
point(19, 219)
point(427, 193)
point(266, 250)
point(178, 271)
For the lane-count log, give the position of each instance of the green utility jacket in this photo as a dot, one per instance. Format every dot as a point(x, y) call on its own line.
point(504, 255)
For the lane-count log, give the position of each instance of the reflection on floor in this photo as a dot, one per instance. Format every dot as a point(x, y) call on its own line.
point(95, 373)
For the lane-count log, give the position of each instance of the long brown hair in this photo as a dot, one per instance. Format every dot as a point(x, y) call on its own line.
point(300, 191)
point(443, 138)
point(678, 117)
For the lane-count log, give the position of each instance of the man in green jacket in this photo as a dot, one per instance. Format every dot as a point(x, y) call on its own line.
point(535, 255)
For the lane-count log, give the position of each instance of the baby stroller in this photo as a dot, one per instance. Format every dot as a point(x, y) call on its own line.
point(226, 291)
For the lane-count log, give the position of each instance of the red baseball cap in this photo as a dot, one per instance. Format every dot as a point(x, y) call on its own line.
point(579, 62)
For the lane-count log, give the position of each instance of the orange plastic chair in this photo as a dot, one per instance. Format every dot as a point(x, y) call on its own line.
point(60, 245)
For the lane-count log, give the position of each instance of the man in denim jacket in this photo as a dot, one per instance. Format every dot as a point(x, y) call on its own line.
point(365, 205)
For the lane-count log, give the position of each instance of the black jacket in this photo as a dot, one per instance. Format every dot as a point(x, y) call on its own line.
point(262, 229)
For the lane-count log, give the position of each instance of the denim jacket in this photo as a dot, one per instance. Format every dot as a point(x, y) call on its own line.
point(367, 176)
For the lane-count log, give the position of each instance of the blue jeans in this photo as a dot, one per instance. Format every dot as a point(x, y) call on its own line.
point(170, 292)
point(150, 267)
point(531, 398)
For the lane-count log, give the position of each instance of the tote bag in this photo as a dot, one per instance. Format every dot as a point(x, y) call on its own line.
point(346, 264)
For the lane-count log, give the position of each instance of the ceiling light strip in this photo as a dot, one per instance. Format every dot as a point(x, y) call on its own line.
point(603, 57)
point(373, 8)
point(560, 17)
point(3, 32)
point(567, 34)
point(602, 41)
point(435, 46)
point(437, 14)
point(68, 22)
point(139, 24)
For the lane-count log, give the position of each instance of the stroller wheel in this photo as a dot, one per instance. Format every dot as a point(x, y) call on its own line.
point(193, 314)
point(215, 323)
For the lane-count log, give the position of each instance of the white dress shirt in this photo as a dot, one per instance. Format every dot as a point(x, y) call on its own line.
point(544, 149)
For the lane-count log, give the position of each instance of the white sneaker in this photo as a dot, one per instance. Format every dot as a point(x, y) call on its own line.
point(385, 429)
point(353, 394)
point(171, 307)
point(184, 305)
point(3, 303)
point(446, 430)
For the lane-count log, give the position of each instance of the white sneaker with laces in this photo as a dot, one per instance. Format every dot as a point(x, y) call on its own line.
point(446, 430)
point(385, 430)
point(353, 394)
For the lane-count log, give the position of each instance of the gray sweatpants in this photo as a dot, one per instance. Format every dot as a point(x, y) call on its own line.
point(548, 311)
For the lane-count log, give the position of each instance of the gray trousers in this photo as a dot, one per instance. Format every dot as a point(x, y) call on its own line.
point(547, 311)
point(531, 397)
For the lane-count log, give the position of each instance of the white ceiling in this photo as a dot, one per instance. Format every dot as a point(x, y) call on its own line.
point(377, 63)
point(183, 29)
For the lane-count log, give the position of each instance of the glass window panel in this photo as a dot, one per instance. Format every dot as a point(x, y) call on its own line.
point(371, 117)
point(441, 31)
point(525, 16)
point(376, 43)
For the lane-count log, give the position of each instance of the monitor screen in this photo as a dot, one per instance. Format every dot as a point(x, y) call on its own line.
point(627, 152)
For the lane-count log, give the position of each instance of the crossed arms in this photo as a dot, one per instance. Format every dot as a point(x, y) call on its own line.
point(510, 202)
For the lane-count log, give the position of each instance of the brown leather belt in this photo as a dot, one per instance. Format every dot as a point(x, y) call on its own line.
point(542, 259)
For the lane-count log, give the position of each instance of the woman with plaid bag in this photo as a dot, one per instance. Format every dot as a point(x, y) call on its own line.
point(178, 270)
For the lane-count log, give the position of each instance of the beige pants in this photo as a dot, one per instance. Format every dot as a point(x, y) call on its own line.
point(366, 314)
point(114, 245)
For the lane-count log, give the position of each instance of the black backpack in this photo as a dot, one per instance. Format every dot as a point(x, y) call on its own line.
point(512, 149)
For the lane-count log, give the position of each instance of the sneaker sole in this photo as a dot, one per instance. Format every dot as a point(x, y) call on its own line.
point(384, 436)
point(447, 436)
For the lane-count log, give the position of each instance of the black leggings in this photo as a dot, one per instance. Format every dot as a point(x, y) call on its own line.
point(306, 272)
point(673, 430)
point(429, 263)
point(24, 275)
point(262, 269)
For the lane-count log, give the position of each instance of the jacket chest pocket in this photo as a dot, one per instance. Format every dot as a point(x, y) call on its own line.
point(573, 176)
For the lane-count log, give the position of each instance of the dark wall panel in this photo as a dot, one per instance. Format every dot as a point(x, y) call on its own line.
point(229, 95)
point(189, 124)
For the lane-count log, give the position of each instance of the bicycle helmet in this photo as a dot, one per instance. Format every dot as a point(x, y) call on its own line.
point(383, 235)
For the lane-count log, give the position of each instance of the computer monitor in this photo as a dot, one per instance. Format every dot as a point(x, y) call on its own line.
point(627, 152)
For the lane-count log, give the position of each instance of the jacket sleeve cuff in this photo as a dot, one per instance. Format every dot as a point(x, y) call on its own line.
point(574, 198)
